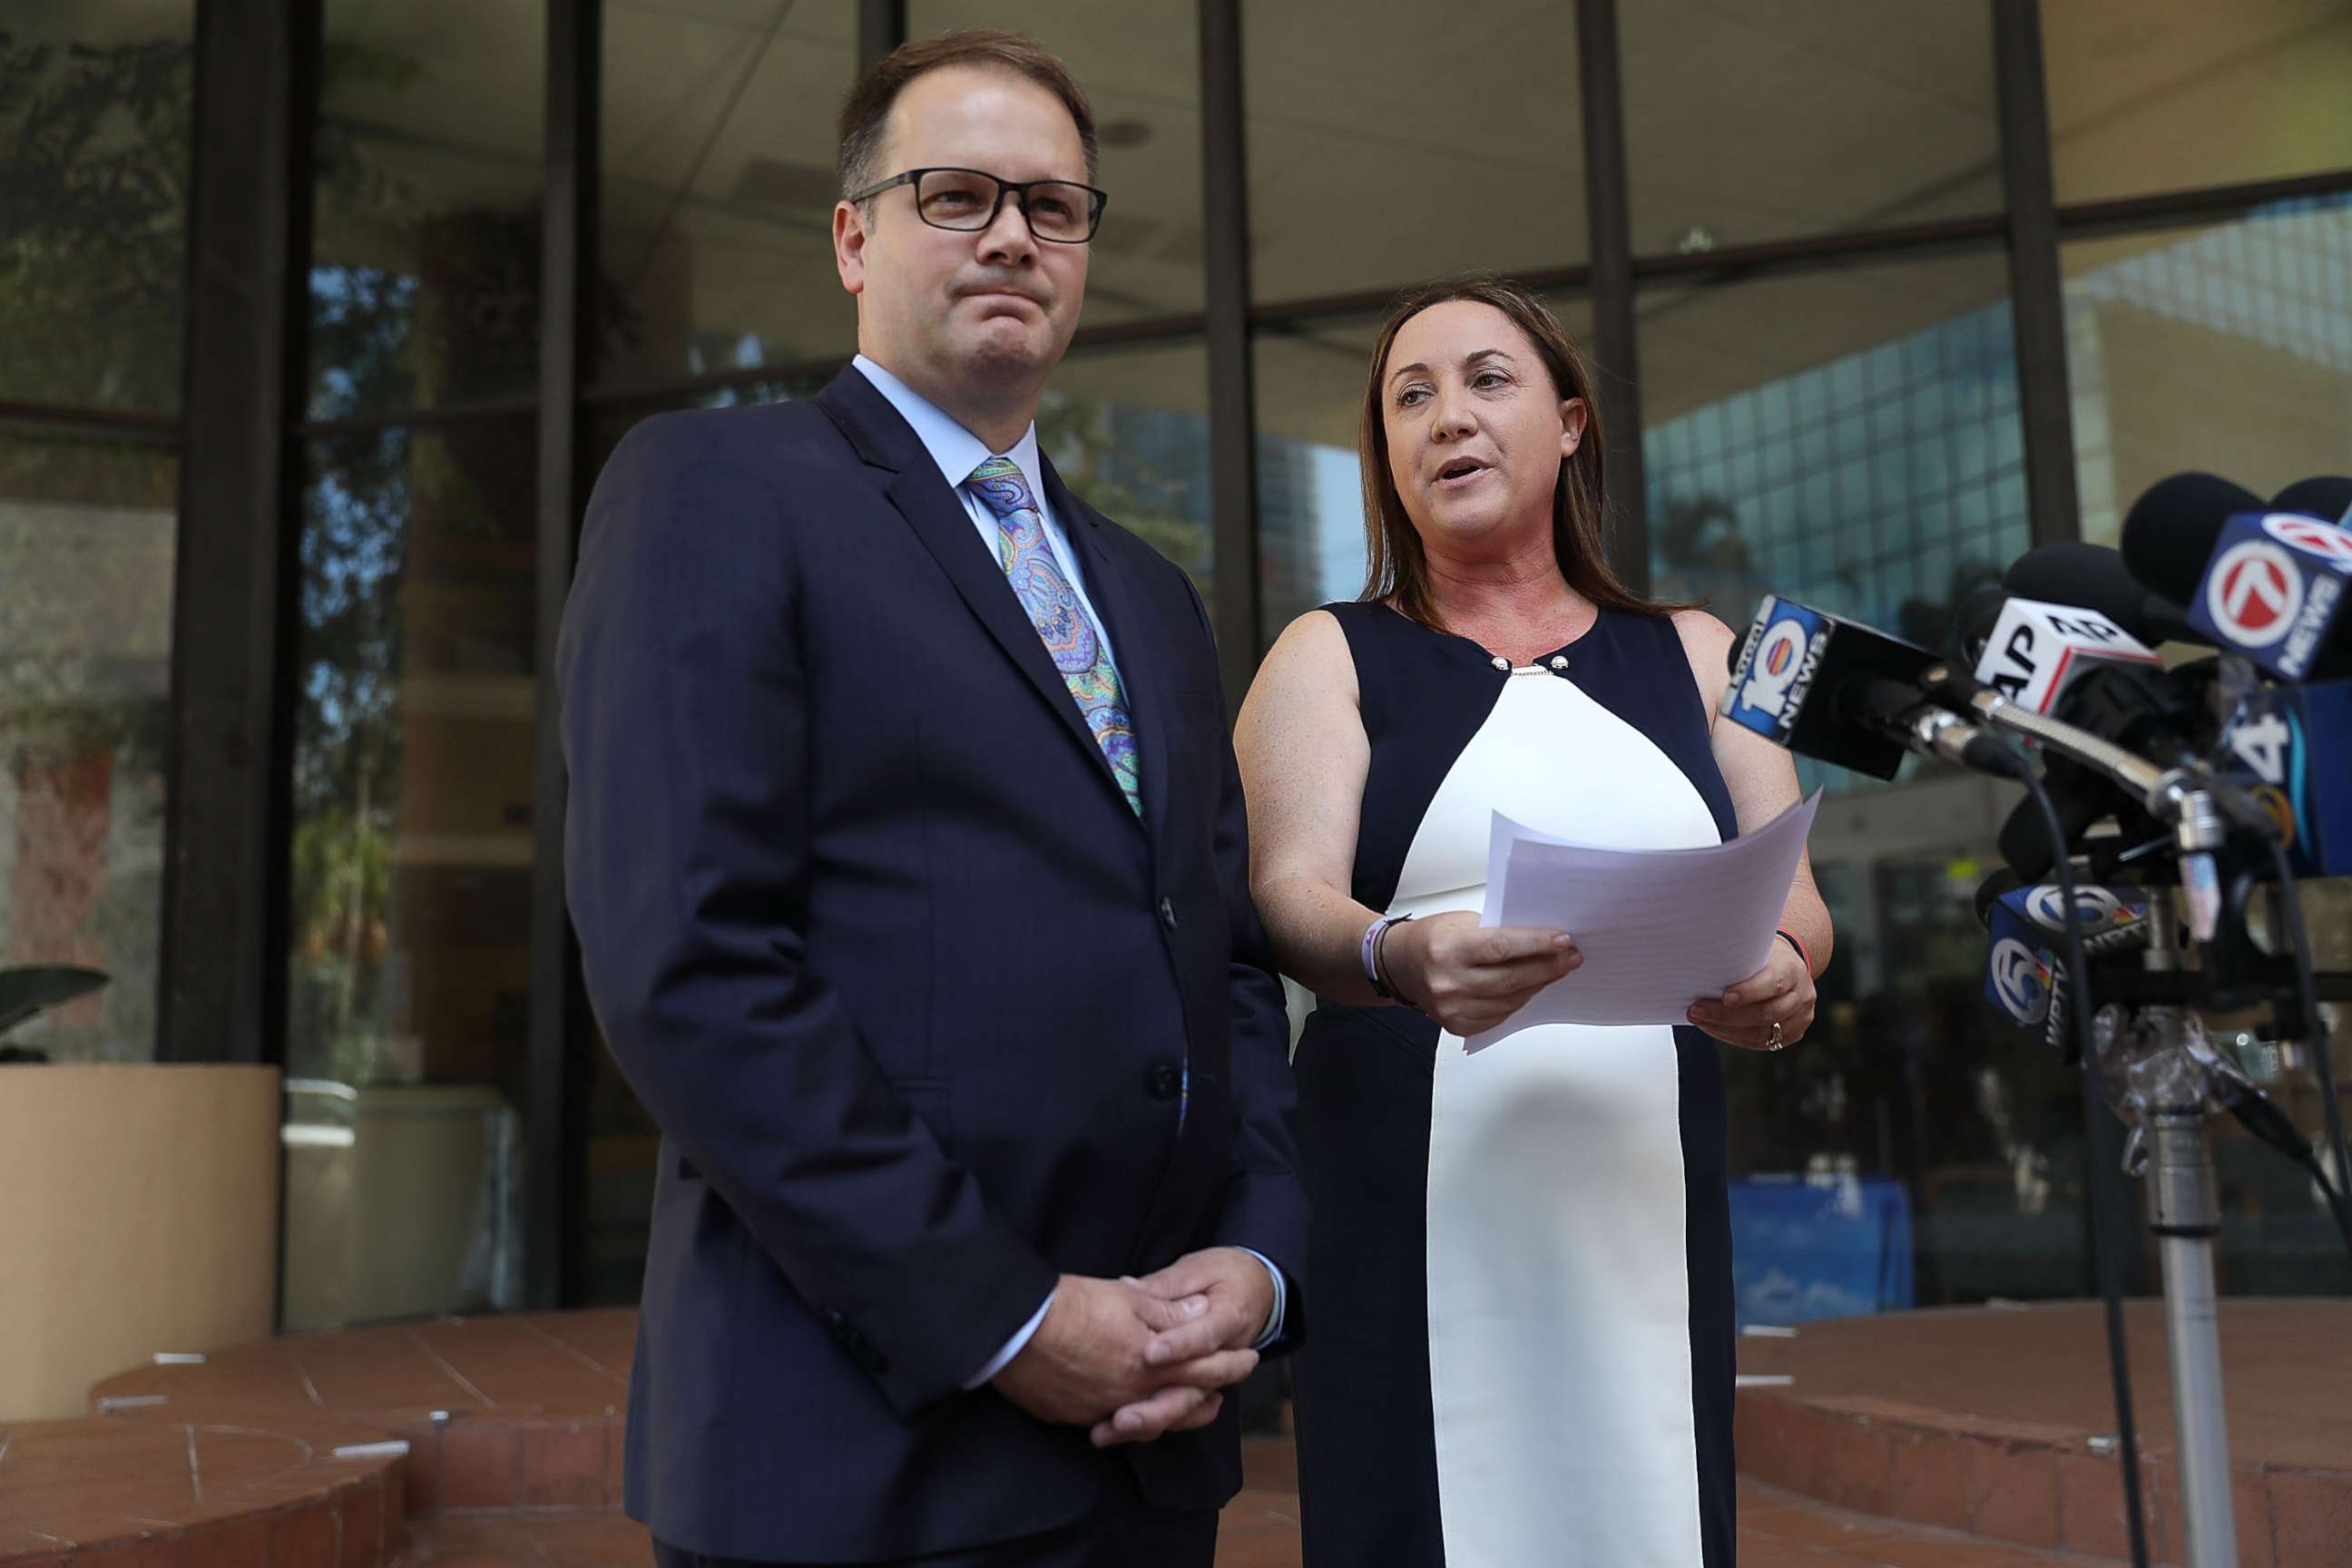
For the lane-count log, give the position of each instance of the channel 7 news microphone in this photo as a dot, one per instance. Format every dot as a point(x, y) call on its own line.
point(2269, 584)
point(1839, 691)
point(2023, 927)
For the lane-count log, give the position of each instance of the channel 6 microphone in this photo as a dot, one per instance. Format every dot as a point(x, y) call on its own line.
point(2291, 747)
point(1843, 692)
point(2023, 926)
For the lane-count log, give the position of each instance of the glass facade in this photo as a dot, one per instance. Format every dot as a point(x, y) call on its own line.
point(96, 122)
point(1819, 329)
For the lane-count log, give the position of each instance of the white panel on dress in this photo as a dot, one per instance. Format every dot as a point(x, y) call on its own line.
point(1559, 1286)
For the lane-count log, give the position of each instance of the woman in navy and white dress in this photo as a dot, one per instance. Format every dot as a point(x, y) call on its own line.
point(1521, 1347)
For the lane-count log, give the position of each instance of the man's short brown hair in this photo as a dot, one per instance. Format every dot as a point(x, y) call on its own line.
point(866, 113)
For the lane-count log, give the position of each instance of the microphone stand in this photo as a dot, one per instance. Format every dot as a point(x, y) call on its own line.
point(2185, 1213)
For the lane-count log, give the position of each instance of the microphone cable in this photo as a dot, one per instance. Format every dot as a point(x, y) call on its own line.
point(2078, 968)
point(2306, 982)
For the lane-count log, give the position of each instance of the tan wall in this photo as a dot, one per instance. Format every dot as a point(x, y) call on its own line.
point(138, 1214)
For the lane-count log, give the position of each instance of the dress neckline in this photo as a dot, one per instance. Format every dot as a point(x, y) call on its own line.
point(1488, 656)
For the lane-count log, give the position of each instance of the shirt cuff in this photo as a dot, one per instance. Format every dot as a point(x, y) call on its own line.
point(1028, 1330)
point(1273, 1329)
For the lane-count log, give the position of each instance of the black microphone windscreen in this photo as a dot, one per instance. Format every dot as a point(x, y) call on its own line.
point(2092, 577)
point(2325, 496)
point(1989, 890)
point(1973, 619)
point(2169, 532)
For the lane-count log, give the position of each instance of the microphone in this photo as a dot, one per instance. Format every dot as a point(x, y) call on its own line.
point(2327, 497)
point(1843, 692)
point(2035, 650)
point(2023, 925)
point(2273, 590)
point(2092, 577)
point(2170, 532)
point(2291, 748)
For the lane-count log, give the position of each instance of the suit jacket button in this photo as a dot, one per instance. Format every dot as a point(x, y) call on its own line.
point(1165, 1080)
point(1167, 913)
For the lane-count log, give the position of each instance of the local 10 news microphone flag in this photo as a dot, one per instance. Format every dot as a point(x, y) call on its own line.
point(2023, 926)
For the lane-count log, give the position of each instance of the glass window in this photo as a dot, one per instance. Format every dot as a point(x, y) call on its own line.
point(1746, 123)
point(2222, 349)
point(408, 983)
point(1386, 146)
point(1127, 430)
point(1709, 349)
point(1911, 1127)
point(1310, 380)
point(2156, 97)
point(424, 268)
point(86, 550)
point(718, 188)
point(95, 130)
point(1143, 77)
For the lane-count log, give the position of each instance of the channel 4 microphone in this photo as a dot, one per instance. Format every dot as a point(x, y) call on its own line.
point(1839, 691)
point(2291, 748)
point(2024, 928)
point(2268, 585)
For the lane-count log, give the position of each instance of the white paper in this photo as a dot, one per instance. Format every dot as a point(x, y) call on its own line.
point(1659, 929)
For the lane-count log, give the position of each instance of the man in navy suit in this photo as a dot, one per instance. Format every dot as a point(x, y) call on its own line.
point(907, 858)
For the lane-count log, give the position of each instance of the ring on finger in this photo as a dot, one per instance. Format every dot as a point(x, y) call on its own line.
point(1773, 1041)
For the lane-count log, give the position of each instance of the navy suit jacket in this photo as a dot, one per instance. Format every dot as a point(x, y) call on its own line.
point(909, 989)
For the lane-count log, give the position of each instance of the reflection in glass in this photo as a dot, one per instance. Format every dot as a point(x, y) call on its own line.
point(408, 985)
point(87, 551)
point(1142, 76)
point(1383, 151)
point(2226, 349)
point(1127, 430)
point(1849, 439)
point(1747, 123)
point(425, 272)
point(2149, 97)
point(96, 124)
point(718, 186)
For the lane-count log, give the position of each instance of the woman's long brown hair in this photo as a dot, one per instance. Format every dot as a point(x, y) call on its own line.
point(1396, 569)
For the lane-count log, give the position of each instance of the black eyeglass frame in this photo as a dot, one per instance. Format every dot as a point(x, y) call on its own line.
point(1020, 188)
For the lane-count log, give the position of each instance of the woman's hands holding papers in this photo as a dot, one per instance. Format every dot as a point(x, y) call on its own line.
point(1471, 977)
point(1781, 992)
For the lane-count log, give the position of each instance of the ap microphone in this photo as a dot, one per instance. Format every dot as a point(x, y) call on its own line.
point(1843, 692)
point(2327, 497)
point(2035, 651)
point(2092, 577)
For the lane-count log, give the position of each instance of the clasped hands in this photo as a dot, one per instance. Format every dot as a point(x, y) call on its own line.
point(1134, 1359)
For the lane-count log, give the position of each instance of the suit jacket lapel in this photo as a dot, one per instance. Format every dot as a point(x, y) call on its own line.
point(930, 505)
point(1139, 673)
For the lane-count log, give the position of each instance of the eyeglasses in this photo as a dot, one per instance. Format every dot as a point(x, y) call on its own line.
point(1062, 212)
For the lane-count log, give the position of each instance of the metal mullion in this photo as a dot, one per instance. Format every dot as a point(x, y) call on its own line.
point(223, 947)
point(1626, 528)
point(2210, 204)
point(1233, 413)
point(2037, 304)
point(115, 424)
point(560, 1038)
point(881, 27)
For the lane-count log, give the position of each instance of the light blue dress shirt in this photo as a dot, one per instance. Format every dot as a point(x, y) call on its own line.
point(958, 452)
